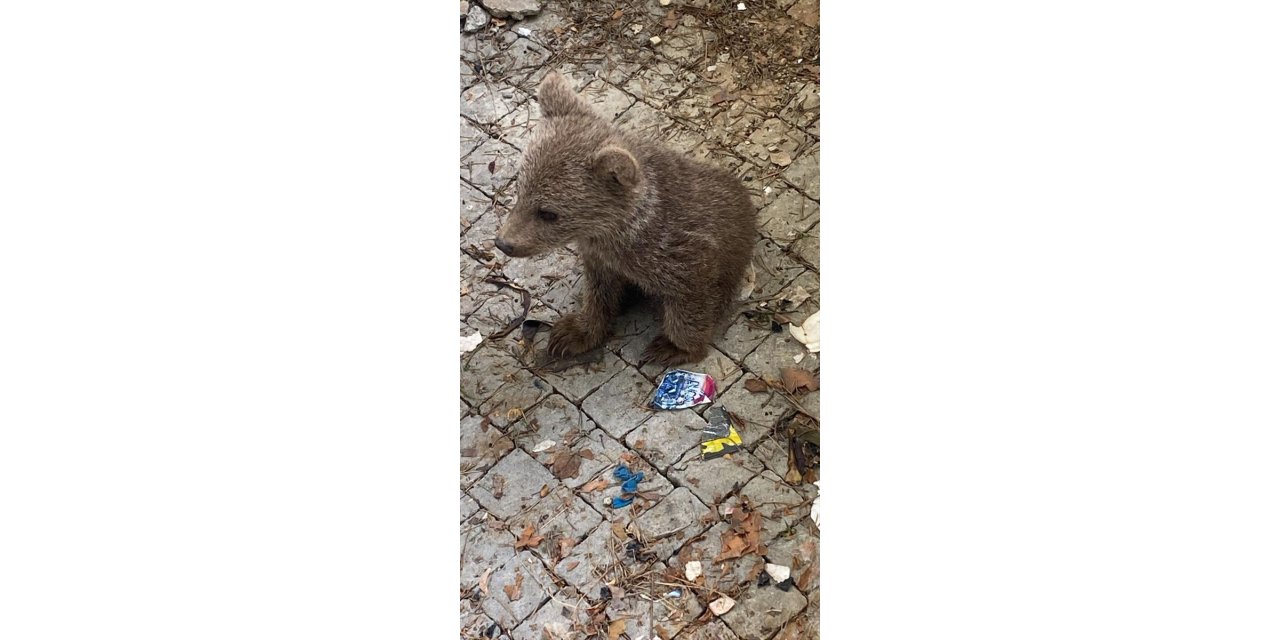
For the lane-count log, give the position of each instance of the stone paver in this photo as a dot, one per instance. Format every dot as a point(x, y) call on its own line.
point(467, 507)
point(556, 516)
point(667, 437)
point(482, 448)
point(594, 561)
point(556, 619)
point(762, 611)
point(672, 522)
point(711, 480)
point(529, 582)
point(579, 381)
point(539, 447)
point(512, 485)
point(780, 506)
point(713, 631)
point(484, 546)
point(621, 404)
point(788, 215)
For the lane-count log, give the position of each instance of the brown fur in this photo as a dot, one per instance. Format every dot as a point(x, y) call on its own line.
point(679, 230)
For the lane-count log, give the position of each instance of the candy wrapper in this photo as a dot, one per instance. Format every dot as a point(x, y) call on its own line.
point(683, 389)
point(719, 437)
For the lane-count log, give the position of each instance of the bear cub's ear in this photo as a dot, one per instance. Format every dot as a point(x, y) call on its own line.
point(617, 164)
point(557, 99)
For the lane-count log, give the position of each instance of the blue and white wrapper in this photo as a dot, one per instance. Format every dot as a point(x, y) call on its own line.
point(683, 389)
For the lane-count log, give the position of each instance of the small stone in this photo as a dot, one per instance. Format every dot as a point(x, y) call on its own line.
point(655, 40)
point(637, 28)
point(692, 570)
point(477, 19)
point(524, 31)
point(711, 68)
point(778, 572)
point(463, 8)
point(742, 7)
point(722, 606)
point(664, 2)
point(515, 9)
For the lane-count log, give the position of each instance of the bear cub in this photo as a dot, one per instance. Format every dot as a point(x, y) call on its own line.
point(679, 230)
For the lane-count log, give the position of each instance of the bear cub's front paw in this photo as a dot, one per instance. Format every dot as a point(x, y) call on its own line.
point(571, 336)
point(666, 354)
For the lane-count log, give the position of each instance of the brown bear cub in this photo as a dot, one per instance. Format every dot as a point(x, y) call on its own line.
point(679, 230)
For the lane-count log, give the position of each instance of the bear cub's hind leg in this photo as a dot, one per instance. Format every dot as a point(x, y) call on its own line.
point(688, 324)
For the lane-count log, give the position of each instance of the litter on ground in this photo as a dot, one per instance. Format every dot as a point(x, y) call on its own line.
point(681, 389)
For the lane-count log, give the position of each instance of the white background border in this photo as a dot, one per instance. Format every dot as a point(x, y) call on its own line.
point(227, 369)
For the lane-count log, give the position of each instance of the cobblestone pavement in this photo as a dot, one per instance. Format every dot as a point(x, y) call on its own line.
point(544, 556)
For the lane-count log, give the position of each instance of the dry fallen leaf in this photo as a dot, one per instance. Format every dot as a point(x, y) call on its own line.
point(722, 96)
point(499, 485)
point(513, 590)
point(756, 385)
point(545, 490)
point(571, 565)
point(588, 454)
point(731, 546)
point(794, 379)
point(616, 15)
point(527, 539)
point(616, 628)
point(671, 20)
point(484, 581)
point(566, 464)
point(594, 485)
point(565, 545)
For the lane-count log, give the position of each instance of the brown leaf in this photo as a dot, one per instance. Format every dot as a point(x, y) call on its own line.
point(723, 96)
point(640, 444)
point(527, 539)
point(566, 464)
point(493, 166)
point(617, 15)
point(588, 454)
point(756, 385)
point(671, 20)
point(499, 486)
point(513, 590)
point(545, 490)
point(619, 530)
point(469, 452)
point(565, 544)
point(627, 457)
point(732, 546)
point(616, 628)
point(484, 581)
point(794, 379)
point(571, 565)
point(594, 485)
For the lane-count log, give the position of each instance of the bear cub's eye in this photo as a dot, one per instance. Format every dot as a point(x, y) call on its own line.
point(547, 216)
